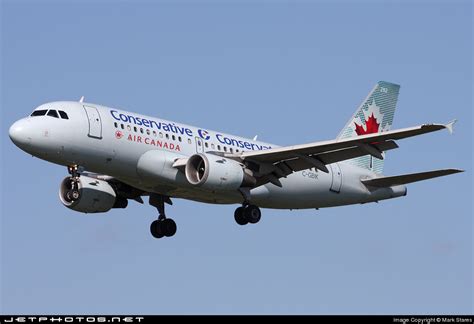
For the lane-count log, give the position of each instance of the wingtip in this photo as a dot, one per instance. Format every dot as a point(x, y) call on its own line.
point(450, 126)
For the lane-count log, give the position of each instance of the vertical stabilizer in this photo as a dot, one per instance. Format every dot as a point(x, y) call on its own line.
point(374, 115)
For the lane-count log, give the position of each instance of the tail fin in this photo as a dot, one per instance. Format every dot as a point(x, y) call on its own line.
point(374, 115)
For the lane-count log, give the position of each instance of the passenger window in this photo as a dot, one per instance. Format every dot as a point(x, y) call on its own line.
point(173, 137)
point(189, 141)
point(161, 134)
point(115, 124)
point(167, 136)
point(53, 113)
point(141, 130)
point(199, 143)
point(135, 129)
point(129, 128)
point(38, 113)
point(231, 150)
point(225, 149)
point(218, 147)
point(63, 114)
point(179, 138)
point(213, 146)
point(148, 132)
point(154, 133)
point(206, 144)
point(122, 126)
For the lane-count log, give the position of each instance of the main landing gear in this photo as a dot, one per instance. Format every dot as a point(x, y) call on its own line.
point(247, 214)
point(162, 226)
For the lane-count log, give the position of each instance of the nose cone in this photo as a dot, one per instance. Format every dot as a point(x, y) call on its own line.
point(19, 133)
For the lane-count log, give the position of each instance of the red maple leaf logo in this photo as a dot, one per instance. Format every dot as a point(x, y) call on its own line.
point(371, 126)
point(118, 134)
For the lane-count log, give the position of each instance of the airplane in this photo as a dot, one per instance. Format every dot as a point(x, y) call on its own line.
point(114, 156)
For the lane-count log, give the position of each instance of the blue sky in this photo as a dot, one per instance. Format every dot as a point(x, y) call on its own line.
point(289, 72)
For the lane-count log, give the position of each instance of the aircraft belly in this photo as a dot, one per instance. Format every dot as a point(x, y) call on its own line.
point(305, 189)
point(191, 193)
point(312, 189)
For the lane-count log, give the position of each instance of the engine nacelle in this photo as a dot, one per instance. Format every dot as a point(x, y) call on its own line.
point(156, 166)
point(95, 196)
point(216, 172)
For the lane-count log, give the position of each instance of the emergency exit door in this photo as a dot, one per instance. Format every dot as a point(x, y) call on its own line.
point(336, 177)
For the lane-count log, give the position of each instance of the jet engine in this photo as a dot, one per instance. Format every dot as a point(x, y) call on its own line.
point(89, 195)
point(216, 173)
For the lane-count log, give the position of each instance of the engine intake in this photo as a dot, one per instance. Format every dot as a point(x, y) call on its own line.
point(91, 195)
point(216, 173)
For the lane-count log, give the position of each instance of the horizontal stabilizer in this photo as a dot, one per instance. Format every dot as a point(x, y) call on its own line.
point(408, 178)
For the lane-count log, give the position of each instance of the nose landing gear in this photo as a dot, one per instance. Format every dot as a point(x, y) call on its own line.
point(73, 193)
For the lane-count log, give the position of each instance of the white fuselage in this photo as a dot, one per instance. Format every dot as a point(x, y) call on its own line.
point(111, 141)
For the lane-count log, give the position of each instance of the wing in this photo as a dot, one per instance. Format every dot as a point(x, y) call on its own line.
point(270, 165)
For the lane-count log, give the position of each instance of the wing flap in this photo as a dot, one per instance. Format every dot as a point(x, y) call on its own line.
point(297, 164)
point(408, 178)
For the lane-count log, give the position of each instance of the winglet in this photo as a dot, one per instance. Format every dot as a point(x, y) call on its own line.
point(255, 137)
point(450, 126)
point(82, 99)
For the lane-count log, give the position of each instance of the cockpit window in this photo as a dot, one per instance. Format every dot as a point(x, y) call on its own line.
point(38, 113)
point(53, 113)
point(63, 114)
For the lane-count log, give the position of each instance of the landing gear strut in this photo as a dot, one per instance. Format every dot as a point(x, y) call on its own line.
point(73, 171)
point(73, 193)
point(247, 214)
point(162, 226)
